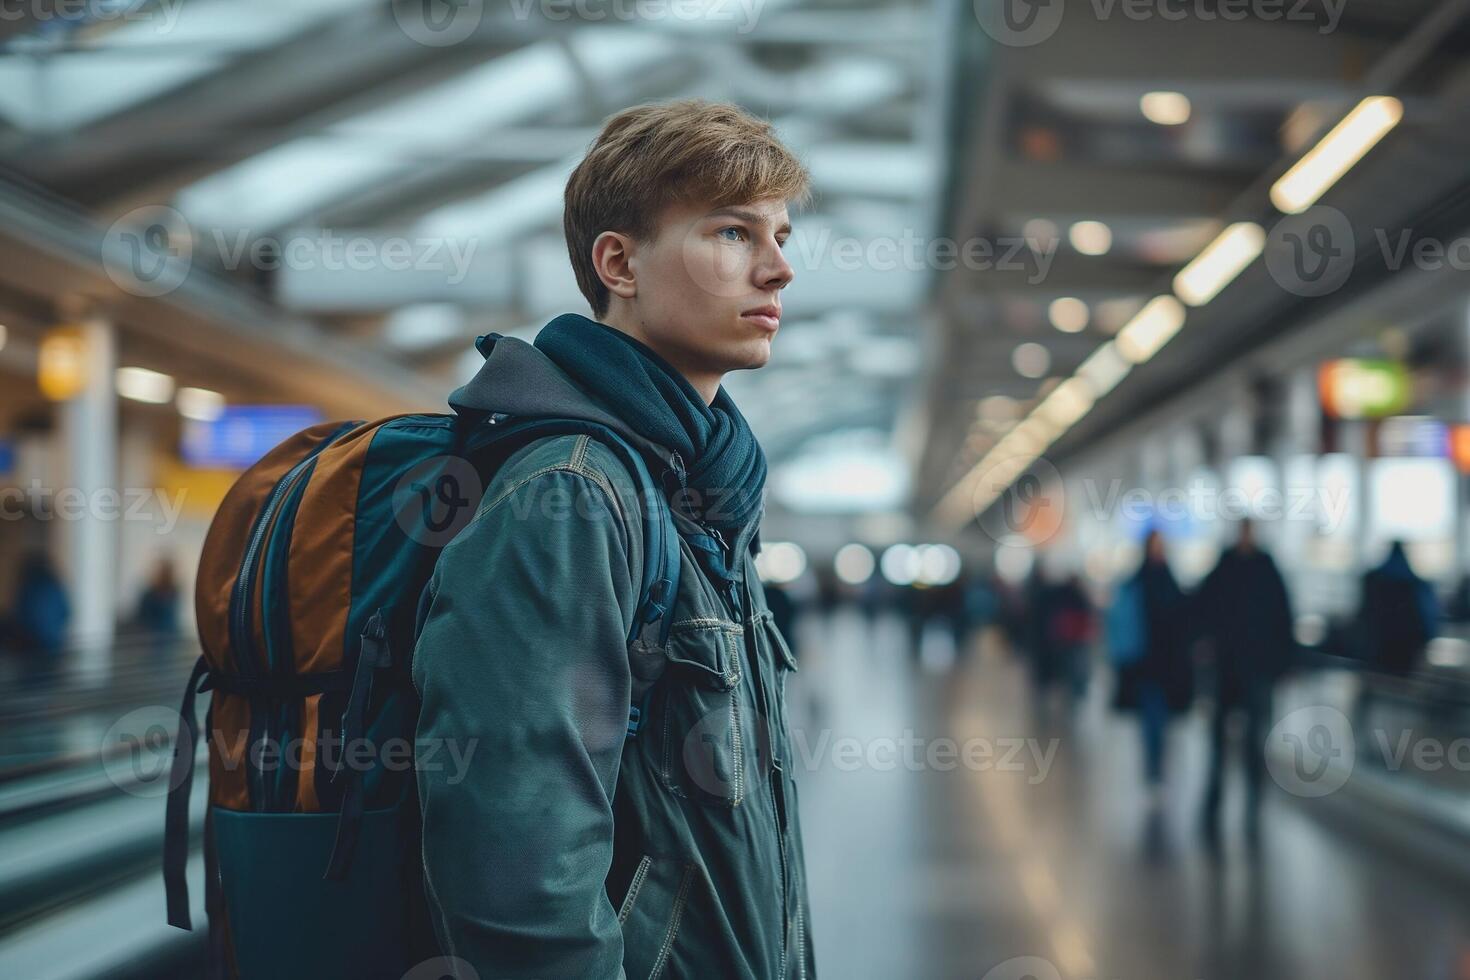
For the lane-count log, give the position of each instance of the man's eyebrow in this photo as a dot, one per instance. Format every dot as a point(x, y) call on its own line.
point(753, 217)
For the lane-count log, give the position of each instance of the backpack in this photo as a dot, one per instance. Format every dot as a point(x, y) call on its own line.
point(310, 594)
point(1127, 628)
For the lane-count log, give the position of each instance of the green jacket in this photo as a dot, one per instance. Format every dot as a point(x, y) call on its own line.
point(566, 847)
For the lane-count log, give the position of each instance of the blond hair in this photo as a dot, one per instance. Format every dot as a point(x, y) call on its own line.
point(651, 156)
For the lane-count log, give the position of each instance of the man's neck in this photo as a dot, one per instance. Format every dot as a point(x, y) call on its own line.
point(703, 382)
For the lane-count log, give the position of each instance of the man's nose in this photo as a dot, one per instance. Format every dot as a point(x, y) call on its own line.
point(774, 272)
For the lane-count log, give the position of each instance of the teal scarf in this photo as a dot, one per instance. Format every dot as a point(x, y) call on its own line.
point(726, 468)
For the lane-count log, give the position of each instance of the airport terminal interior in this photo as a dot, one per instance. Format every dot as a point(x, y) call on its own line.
point(1117, 424)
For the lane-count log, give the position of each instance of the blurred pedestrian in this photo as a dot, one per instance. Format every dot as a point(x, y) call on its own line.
point(41, 611)
point(158, 607)
point(1245, 614)
point(1071, 627)
point(1399, 613)
point(783, 611)
point(1148, 644)
point(1061, 639)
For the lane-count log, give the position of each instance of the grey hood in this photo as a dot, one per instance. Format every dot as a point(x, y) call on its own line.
point(518, 380)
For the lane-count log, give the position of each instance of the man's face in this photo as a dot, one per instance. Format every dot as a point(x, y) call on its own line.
point(709, 286)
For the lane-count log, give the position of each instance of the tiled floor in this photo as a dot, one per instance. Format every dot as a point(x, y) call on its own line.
point(1038, 855)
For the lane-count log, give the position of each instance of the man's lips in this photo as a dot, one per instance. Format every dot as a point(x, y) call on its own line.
point(766, 317)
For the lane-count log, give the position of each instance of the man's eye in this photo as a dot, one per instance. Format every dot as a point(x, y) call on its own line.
point(738, 233)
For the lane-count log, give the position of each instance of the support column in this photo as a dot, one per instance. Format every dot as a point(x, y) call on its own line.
point(89, 436)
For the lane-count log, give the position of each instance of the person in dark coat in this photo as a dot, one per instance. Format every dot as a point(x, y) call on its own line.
point(158, 606)
point(1160, 683)
point(1245, 613)
point(42, 610)
point(1397, 617)
point(1399, 614)
point(1063, 634)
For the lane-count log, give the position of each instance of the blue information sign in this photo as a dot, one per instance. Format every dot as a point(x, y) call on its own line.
point(242, 434)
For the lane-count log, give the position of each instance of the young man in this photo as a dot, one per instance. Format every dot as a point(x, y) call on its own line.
point(570, 848)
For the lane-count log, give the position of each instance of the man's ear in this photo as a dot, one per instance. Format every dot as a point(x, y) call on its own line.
point(612, 258)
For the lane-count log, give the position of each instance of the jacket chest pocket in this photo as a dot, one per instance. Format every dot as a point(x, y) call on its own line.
point(706, 722)
point(778, 654)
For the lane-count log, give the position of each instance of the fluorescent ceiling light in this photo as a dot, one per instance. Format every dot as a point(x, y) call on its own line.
point(1325, 163)
point(1165, 108)
point(1220, 262)
point(998, 408)
point(200, 404)
point(1071, 400)
point(1091, 237)
point(1068, 314)
point(1151, 329)
point(1104, 369)
point(143, 385)
point(1030, 360)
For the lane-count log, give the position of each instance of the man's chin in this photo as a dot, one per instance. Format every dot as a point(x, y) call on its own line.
point(758, 355)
